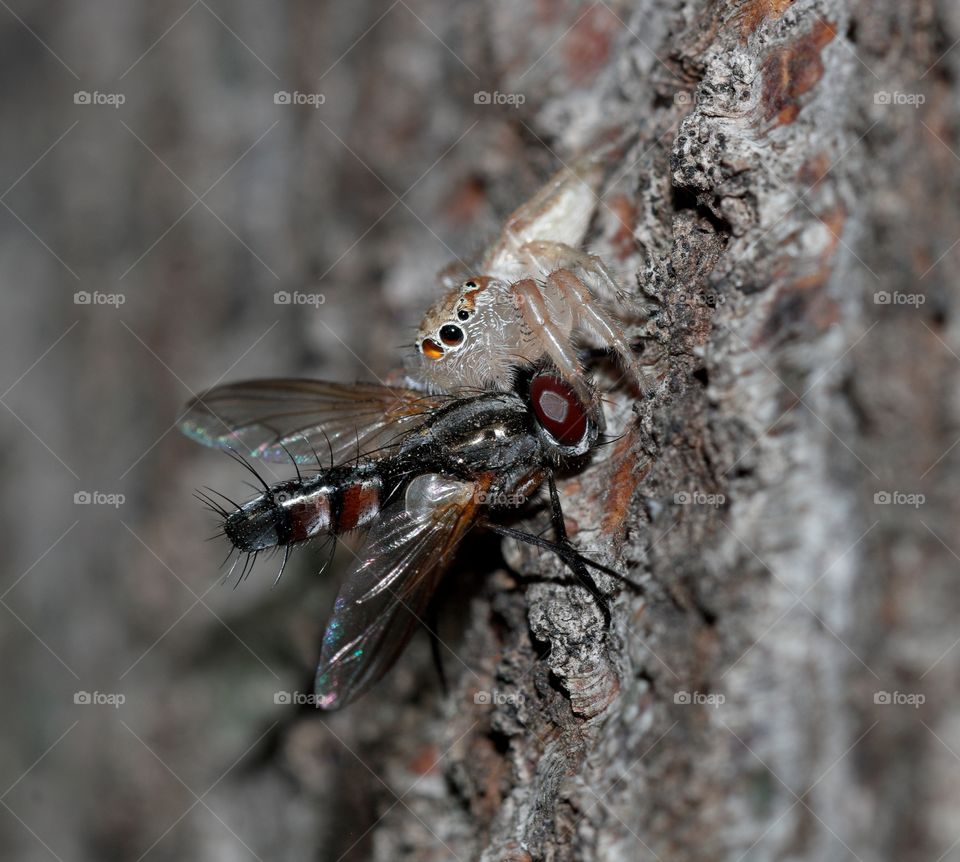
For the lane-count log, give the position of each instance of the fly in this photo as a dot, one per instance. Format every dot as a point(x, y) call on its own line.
point(418, 471)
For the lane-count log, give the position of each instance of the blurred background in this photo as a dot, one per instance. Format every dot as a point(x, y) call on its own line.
point(171, 174)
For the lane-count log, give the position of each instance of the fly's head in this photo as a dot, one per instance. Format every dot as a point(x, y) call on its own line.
point(458, 340)
point(567, 424)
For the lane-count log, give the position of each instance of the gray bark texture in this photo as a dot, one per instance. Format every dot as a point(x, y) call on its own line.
point(785, 215)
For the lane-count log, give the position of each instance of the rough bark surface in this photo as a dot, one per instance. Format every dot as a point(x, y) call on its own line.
point(785, 220)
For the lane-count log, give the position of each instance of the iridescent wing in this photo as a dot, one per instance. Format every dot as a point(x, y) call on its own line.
point(385, 596)
point(274, 419)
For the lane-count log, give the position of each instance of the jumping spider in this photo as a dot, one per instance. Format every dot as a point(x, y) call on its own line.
point(534, 296)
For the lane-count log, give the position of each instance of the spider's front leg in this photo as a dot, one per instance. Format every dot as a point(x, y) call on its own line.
point(589, 288)
point(564, 304)
point(547, 324)
point(547, 257)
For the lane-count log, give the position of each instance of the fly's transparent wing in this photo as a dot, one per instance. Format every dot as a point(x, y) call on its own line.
point(385, 596)
point(268, 419)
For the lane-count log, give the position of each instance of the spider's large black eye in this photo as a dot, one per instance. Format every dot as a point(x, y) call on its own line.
point(450, 334)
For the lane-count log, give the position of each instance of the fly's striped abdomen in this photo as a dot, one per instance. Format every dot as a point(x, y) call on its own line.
point(332, 508)
point(334, 502)
point(359, 504)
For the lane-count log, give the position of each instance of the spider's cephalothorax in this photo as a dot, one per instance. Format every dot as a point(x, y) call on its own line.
point(535, 297)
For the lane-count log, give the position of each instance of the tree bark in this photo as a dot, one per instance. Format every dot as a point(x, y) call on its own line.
point(784, 223)
point(784, 219)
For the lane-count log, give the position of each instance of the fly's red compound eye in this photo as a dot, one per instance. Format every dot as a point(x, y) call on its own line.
point(558, 409)
point(431, 349)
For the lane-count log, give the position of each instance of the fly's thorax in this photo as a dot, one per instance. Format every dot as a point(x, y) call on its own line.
point(471, 436)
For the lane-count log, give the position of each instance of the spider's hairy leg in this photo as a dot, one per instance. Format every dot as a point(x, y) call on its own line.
point(551, 326)
point(550, 256)
point(593, 318)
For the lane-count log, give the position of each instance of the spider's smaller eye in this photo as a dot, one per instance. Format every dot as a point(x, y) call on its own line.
point(450, 334)
point(470, 284)
point(463, 314)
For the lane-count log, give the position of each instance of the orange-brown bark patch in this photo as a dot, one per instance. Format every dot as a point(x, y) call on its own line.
point(754, 13)
point(793, 70)
point(624, 479)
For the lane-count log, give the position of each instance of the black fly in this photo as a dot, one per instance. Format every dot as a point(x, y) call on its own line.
point(417, 470)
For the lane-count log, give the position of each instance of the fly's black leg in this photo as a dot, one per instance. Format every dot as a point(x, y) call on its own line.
point(564, 552)
point(573, 560)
